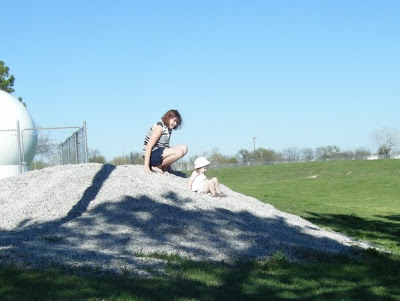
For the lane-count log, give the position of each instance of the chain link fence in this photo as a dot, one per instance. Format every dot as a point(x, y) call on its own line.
point(74, 149)
point(52, 147)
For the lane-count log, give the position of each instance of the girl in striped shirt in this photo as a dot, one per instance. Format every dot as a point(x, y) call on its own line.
point(158, 155)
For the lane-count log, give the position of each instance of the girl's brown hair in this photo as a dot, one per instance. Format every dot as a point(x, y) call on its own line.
point(172, 114)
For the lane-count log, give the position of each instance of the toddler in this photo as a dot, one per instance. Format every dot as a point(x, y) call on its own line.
point(198, 181)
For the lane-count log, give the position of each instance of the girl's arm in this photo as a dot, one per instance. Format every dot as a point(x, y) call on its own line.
point(157, 131)
point(191, 179)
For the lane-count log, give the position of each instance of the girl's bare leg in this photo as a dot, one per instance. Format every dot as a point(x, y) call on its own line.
point(171, 155)
point(156, 169)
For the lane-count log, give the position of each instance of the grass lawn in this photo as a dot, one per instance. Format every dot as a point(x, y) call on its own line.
point(359, 198)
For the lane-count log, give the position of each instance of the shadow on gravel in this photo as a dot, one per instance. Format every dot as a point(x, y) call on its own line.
point(113, 234)
point(90, 193)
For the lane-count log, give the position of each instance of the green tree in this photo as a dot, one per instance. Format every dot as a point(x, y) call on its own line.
point(121, 160)
point(216, 157)
point(7, 80)
point(265, 155)
point(244, 155)
point(136, 158)
point(96, 157)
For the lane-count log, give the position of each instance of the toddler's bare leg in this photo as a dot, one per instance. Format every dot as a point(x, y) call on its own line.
point(209, 187)
point(216, 184)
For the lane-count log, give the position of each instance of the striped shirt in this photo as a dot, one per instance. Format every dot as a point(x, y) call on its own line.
point(164, 138)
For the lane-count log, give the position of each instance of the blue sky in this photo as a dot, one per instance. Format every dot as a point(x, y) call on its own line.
point(290, 73)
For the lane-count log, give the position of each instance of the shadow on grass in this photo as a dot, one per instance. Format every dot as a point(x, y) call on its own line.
point(383, 227)
point(375, 277)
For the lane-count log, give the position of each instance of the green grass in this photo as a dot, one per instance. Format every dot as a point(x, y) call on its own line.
point(363, 203)
point(359, 198)
point(371, 277)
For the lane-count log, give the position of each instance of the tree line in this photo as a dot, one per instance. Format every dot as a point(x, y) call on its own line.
point(385, 141)
point(259, 156)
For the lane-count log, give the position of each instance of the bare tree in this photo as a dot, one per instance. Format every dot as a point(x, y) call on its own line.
point(45, 146)
point(385, 140)
point(327, 152)
point(307, 154)
point(47, 150)
point(291, 154)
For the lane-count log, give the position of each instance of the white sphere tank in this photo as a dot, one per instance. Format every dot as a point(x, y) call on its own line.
point(11, 111)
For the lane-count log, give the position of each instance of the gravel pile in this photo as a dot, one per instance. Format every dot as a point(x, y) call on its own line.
point(108, 217)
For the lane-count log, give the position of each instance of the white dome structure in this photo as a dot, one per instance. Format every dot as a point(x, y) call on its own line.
point(13, 112)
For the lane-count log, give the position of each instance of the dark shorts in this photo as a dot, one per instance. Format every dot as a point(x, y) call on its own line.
point(156, 157)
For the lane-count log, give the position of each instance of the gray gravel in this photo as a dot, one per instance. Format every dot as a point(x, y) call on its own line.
point(108, 217)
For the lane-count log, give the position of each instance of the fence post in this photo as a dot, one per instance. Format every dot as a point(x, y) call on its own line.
point(85, 142)
point(76, 147)
point(62, 155)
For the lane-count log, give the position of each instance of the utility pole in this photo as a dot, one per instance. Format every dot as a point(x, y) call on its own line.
point(254, 145)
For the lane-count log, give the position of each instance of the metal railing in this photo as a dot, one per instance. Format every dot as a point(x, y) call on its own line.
point(74, 150)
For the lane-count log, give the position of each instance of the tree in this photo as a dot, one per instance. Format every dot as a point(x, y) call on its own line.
point(307, 154)
point(6, 80)
point(231, 160)
point(216, 157)
point(361, 152)
point(47, 151)
point(291, 154)
point(265, 155)
point(386, 140)
point(327, 152)
point(244, 155)
point(136, 158)
point(120, 160)
point(96, 157)
point(45, 146)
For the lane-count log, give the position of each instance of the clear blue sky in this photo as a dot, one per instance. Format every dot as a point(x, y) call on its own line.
point(290, 73)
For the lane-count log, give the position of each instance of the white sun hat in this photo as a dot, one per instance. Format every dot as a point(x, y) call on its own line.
point(201, 162)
